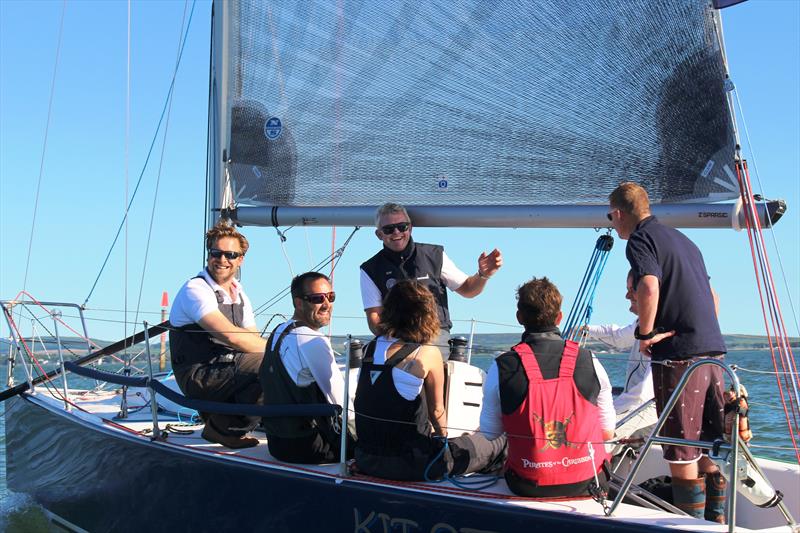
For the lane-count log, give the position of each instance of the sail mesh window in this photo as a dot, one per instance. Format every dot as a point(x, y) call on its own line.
point(483, 103)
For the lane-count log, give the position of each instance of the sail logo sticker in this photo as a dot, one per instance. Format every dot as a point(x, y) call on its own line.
point(273, 128)
point(707, 168)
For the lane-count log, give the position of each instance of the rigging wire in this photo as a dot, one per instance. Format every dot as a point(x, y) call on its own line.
point(282, 241)
point(581, 311)
point(333, 258)
point(147, 158)
point(158, 175)
point(44, 144)
point(769, 222)
point(774, 324)
point(127, 167)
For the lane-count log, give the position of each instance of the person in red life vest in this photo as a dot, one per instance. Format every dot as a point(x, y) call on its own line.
point(553, 401)
point(401, 420)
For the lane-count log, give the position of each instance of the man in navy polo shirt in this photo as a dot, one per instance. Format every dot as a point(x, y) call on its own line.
point(677, 323)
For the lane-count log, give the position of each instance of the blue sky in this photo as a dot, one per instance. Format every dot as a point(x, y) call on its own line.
point(83, 182)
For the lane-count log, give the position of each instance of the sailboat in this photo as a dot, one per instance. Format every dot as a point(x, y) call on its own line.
point(475, 115)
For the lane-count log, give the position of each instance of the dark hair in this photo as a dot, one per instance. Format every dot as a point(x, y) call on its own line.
point(630, 198)
point(299, 282)
point(223, 229)
point(409, 313)
point(538, 303)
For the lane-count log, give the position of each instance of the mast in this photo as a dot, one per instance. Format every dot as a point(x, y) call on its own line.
point(218, 189)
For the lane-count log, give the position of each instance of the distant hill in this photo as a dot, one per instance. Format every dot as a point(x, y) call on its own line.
point(489, 343)
point(484, 343)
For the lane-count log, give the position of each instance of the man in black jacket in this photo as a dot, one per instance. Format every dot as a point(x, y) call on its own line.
point(402, 258)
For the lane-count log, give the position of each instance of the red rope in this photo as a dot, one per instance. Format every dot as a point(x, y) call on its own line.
point(49, 312)
point(32, 357)
point(763, 270)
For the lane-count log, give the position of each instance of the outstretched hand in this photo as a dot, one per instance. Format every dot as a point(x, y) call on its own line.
point(644, 345)
point(490, 263)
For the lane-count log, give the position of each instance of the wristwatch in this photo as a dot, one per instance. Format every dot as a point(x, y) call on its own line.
point(648, 336)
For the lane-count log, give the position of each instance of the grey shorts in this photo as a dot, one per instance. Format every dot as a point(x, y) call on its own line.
point(699, 412)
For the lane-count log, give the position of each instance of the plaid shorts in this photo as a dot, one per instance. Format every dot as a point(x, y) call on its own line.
point(699, 412)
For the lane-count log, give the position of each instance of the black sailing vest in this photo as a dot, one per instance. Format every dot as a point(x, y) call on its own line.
point(280, 389)
point(394, 435)
point(191, 344)
point(419, 261)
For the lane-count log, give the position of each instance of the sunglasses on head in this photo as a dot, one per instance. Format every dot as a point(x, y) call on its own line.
point(319, 297)
point(216, 254)
point(388, 229)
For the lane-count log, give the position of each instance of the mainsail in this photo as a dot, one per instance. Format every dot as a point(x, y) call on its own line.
point(470, 103)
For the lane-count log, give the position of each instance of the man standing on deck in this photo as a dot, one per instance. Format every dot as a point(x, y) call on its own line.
point(299, 368)
point(215, 347)
point(674, 295)
point(402, 258)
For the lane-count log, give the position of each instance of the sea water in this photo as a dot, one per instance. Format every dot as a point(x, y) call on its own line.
point(755, 370)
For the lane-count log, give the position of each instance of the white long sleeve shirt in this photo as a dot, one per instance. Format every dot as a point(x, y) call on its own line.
point(308, 358)
point(638, 375)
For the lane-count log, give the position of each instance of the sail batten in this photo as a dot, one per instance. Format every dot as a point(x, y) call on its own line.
point(475, 103)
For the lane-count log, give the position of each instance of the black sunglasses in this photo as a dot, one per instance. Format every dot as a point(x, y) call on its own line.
point(608, 215)
point(216, 254)
point(319, 297)
point(388, 229)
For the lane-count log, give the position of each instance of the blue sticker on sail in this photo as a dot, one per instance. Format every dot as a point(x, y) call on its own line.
point(273, 128)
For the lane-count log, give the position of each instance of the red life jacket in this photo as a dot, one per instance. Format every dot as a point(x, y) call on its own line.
point(548, 432)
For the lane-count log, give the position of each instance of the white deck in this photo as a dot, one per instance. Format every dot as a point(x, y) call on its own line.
point(101, 407)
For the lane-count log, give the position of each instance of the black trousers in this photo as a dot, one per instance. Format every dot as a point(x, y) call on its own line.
point(524, 487)
point(234, 382)
point(311, 450)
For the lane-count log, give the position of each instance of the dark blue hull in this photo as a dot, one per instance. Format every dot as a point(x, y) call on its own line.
point(103, 481)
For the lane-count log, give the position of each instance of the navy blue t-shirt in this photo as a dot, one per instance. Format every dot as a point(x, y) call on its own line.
point(685, 303)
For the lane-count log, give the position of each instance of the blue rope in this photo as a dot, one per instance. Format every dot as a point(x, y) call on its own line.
point(581, 311)
point(473, 482)
point(147, 159)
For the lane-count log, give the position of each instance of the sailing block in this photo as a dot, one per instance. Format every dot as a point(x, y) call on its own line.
point(463, 397)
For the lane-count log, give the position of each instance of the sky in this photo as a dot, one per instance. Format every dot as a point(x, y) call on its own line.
point(87, 163)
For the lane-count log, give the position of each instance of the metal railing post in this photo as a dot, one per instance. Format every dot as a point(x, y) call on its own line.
point(345, 410)
point(654, 438)
point(56, 316)
point(13, 347)
point(471, 338)
point(153, 401)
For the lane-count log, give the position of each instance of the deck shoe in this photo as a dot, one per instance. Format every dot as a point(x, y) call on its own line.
point(715, 497)
point(689, 495)
point(229, 441)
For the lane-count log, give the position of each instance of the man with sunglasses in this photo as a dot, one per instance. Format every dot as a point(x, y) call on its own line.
point(215, 347)
point(299, 368)
point(403, 258)
point(673, 294)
